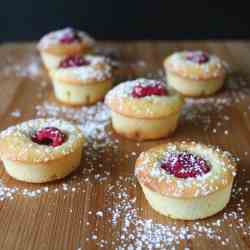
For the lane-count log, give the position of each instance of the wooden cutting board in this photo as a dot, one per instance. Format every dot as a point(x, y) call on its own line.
point(101, 206)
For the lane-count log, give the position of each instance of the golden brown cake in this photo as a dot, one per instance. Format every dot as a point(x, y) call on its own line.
point(82, 80)
point(41, 150)
point(144, 109)
point(194, 73)
point(186, 180)
point(56, 45)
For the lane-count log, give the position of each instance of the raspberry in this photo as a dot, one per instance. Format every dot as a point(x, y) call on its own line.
point(73, 61)
point(142, 91)
point(49, 136)
point(70, 36)
point(197, 57)
point(185, 165)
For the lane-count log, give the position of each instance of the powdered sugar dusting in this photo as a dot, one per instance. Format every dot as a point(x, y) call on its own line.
point(17, 141)
point(120, 211)
point(155, 167)
point(16, 113)
point(97, 69)
point(179, 63)
point(138, 232)
point(202, 111)
point(56, 37)
point(31, 67)
point(125, 89)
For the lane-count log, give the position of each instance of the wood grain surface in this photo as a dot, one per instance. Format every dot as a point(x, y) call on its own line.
point(101, 206)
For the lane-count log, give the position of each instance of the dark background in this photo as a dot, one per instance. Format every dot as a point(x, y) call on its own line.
point(104, 19)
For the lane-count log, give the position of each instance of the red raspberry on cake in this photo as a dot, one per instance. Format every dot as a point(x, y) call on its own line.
point(70, 35)
point(144, 109)
point(73, 61)
point(143, 91)
point(185, 165)
point(49, 136)
point(199, 57)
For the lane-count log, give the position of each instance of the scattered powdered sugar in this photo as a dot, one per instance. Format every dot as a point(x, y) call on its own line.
point(198, 111)
point(30, 66)
point(131, 230)
point(9, 193)
point(16, 113)
point(202, 111)
point(99, 214)
point(129, 226)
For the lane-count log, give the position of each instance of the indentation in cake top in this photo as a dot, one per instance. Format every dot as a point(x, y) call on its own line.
point(185, 165)
point(70, 35)
point(157, 89)
point(199, 57)
point(50, 136)
point(140, 87)
point(73, 61)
